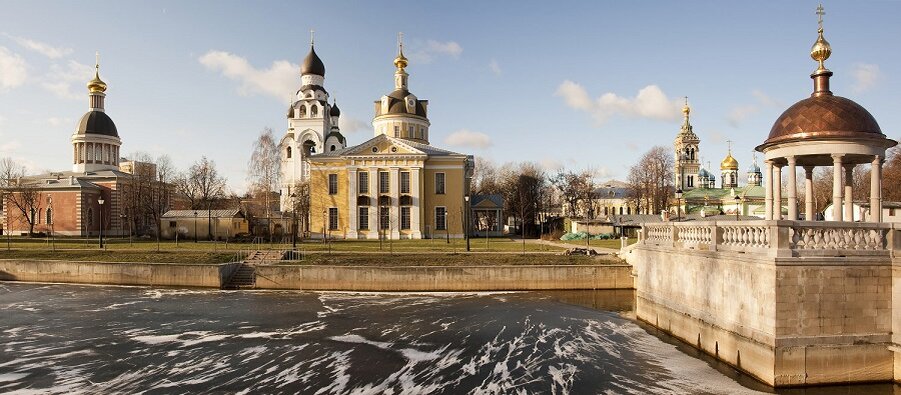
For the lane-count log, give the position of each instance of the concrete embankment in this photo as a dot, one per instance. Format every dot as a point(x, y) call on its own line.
point(333, 277)
point(152, 274)
point(445, 278)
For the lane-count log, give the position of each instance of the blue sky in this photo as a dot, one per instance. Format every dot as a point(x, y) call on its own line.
point(573, 84)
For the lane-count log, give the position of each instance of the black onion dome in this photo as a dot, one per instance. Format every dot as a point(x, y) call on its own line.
point(397, 103)
point(97, 122)
point(312, 64)
point(335, 112)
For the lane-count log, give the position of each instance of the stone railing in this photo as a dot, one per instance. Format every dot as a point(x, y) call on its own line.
point(778, 238)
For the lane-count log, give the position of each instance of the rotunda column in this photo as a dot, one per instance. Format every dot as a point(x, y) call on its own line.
point(876, 189)
point(777, 191)
point(768, 190)
point(808, 193)
point(792, 190)
point(837, 187)
point(849, 193)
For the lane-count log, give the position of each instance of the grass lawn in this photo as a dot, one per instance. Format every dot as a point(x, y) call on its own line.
point(609, 243)
point(121, 256)
point(336, 245)
point(346, 259)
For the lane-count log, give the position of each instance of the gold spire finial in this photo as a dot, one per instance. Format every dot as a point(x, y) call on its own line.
point(821, 49)
point(400, 61)
point(96, 85)
point(686, 109)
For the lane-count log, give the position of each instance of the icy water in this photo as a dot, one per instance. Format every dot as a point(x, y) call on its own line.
point(93, 339)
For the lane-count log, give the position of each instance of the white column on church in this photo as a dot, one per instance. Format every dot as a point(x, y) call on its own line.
point(374, 225)
point(768, 190)
point(849, 192)
point(792, 189)
point(395, 203)
point(876, 190)
point(837, 187)
point(777, 191)
point(416, 208)
point(352, 211)
point(808, 193)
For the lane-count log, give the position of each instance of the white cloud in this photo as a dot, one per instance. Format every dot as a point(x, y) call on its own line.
point(350, 125)
point(550, 164)
point(41, 48)
point(58, 121)
point(13, 70)
point(495, 67)
point(469, 139)
point(865, 76)
point(433, 49)
point(649, 103)
point(60, 79)
point(738, 114)
point(278, 81)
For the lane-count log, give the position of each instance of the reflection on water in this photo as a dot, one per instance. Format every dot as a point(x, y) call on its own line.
point(69, 338)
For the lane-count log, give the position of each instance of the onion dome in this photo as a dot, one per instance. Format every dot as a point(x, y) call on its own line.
point(97, 122)
point(754, 168)
point(729, 163)
point(335, 111)
point(703, 173)
point(96, 85)
point(823, 115)
point(312, 64)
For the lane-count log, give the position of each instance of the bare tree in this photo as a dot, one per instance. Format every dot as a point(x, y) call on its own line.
point(202, 185)
point(891, 175)
point(300, 204)
point(575, 190)
point(263, 170)
point(651, 180)
point(21, 196)
point(485, 178)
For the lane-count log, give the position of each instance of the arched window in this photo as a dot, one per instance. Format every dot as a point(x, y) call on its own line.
point(302, 111)
point(314, 110)
point(288, 153)
point(49, 215)
point(333, 147)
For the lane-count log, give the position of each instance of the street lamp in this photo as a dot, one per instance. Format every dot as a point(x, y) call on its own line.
point(100, 202)
point(466, 218)
point(195, 226)
point(679, 204)
point(737, 207)
point(50, 220)
point(294, 220)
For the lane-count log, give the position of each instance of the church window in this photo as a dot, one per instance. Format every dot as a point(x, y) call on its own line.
point(396, 131)
point(364, 181)
point(333, 218)
point(628, 210)
point(439, 183)
point(288, 153)
point(49, 215)
point(375, 149)
point(332, 147)
point(410, 132)
point(691, 181)
point(405, 182)
point(333, 184)
point(303, 111)
point(383, 182)
point(364, 218)
point(405, 218)
point(620, 211)
point(440, 218)
point(314, 110)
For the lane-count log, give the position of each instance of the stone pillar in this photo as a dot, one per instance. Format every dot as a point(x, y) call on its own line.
point(837, 187)
point(394, 213)
point(849, 193)
point(352, 211)
point(416, 208)
point(374, 203)
point(792, 189)
point(808, 193)
point(777, 191)
point(768, 212)
point(876, 190)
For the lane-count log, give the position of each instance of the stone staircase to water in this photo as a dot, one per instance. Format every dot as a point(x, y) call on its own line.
point(245, 275)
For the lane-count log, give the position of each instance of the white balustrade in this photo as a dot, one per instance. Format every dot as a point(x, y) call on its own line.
point(695, 234)
point(749, 236)
point(658, 233)
point(837, 237)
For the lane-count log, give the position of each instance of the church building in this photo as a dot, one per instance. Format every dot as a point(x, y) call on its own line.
point(395, 185)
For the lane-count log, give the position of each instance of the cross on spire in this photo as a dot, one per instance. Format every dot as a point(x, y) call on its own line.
point(686, 101)
point(400, 42)
point(311, 36)
point(820, 13)
point(729, 142)
point(97, 60)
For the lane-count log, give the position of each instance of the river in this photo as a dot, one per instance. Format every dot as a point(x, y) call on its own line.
point(58, 338)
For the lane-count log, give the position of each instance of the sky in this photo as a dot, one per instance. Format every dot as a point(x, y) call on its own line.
point(567, 85)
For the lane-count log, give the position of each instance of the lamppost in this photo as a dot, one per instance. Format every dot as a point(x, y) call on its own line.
point(466, 218)
point(50, 220)
point(679, 204)
point(195, 226)
point(294, 220)
point(737, 207)
point(100, 202)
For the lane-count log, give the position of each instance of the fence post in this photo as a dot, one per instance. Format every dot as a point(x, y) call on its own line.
point(715, 234)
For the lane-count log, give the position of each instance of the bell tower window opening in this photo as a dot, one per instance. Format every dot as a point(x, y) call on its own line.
point(302, 111)
point(288, 153)
point(396, 131)
point(314, 111)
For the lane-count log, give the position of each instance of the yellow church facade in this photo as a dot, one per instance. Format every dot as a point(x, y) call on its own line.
point(395, 185)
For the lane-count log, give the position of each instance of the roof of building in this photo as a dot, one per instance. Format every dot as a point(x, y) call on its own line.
point(824, 116)
point(335, 111)
point(612, 189)
point(312, 64)
point(485, 200)
point(753, 191)
point(97, 122)
point(336, 134)
point(228, 213)
point(359, 149)
point(397, 104)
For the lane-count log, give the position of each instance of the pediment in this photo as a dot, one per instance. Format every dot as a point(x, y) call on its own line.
point(384, 145)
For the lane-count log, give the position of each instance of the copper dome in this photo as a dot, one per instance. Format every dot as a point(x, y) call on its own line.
point(824, 116)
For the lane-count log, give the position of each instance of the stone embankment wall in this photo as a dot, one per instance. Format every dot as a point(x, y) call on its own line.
point(152, 274)
point(445, 278)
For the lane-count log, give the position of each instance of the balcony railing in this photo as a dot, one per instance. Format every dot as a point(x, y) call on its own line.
point(778, 238)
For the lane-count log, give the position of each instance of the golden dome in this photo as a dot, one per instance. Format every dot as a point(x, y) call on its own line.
point(686, 109)
point(97, 85)
point(821, 50)
point(400, 61)
point(729, 163)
